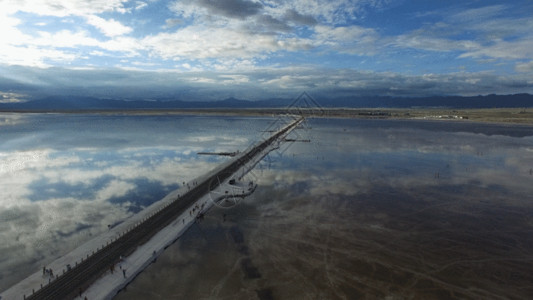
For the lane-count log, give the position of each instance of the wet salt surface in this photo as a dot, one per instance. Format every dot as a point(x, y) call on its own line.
point(368, 209)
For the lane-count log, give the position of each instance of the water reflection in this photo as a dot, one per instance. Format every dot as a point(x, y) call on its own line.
point(376, 209)
point(65, 178)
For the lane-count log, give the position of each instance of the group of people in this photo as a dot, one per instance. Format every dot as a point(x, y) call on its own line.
point(112, 267)
point(48, 272)
point(194, 183)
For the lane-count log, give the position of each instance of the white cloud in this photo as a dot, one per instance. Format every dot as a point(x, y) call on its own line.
point(169, 23)
point(63, 8)
point(140, 5)
point(110, 28)
point(518, 49)
point(422, 40)
point(524, 67)
point(200, 42)
point(328, 12)
point(128, 46)
point(234, 79)
point(272, 30)
point(97, 53)
point(347, 39)
point(7, 97)
point(32, 56)
point(490, 33)
point(63, 39)
point(43, 49)
point(17, 48)
point(478, 14)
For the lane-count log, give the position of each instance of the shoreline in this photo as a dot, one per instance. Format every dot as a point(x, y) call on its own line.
point(520, 116)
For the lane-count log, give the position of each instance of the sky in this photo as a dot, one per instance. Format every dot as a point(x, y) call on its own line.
point(250, 49)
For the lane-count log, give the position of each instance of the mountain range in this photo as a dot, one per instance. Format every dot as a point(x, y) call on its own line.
point(69, 103)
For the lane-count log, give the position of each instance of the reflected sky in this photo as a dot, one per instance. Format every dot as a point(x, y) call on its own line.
point(363, 152)
point(64, 178)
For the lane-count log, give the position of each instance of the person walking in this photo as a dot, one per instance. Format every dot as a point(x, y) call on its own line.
point(124, 272)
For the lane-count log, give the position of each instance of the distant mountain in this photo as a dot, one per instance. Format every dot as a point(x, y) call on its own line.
point(489, 101)
point(64, 103)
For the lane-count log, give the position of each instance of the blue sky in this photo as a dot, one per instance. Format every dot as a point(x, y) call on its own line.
point(249, 49)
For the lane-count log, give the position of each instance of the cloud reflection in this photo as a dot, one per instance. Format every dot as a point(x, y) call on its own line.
point(65, 178)
point(350, 156)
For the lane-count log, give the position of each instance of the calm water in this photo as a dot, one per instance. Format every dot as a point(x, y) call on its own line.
point(368, 208)
point(64, 178)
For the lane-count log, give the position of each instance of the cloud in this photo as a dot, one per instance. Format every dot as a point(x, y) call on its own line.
point(238, 9)
point(279, 47)
point(485, 32)
point(170, 23)
point(63, 8)
point(256, 83)
point(347, 39)
point(12, 97)
point(420, 39)
point(63, 39)
point(140, 5)
point(43, 48)
point(475, 15)
point(231, 8)
point(328, 12)
point(200, 42)
point(524, 67)
point(267, 23)
point(110, 28)
point(293, 16)
point(519, 49)
point(37, 56)
point(240, 34)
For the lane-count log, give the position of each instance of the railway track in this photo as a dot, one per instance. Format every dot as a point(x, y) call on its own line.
point(83, 274)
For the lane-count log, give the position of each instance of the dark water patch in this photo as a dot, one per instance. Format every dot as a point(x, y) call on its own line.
point(203, 235)
point(351, 292)
point(237, 235)
point(265, 294)
point(250, 271)
point(244, 250)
